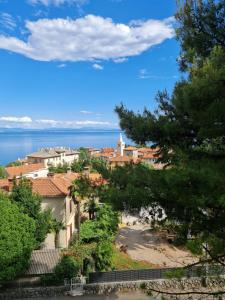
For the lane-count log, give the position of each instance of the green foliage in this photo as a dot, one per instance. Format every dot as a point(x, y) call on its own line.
point(100, 166)
point(177, 273)
point(17, 240)
point(91, 207)
point(108, 219)
point(100, 232)
point(195, 246)
point(30, 204)
point(68, 267)
point(188, 128)
point(122, 261)
point(14, 164)
point(84, 161)
point(61, 168)
point(90, 232)
point(104, 255)
point(3, 173)
point(200, 27)
point(104, 226)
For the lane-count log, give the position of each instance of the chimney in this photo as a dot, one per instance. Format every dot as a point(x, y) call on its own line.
point(51, 174)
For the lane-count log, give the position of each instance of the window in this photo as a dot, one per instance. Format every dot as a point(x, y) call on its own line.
point(71, 230)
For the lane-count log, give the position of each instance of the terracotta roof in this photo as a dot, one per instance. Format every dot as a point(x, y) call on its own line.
point(4, 184)
point(107, 150)
point(58, 185)
point(104, 155)
point(53, 186)
point(49, 187)
point(147, 149)
point(130, 148)
point(23, 169)
point(121, 159)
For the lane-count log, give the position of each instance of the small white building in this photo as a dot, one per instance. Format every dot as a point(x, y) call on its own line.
point(53, 156)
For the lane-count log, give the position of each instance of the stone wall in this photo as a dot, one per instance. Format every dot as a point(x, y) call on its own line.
point(169, 286)
point(152, 286)
point(39, 292)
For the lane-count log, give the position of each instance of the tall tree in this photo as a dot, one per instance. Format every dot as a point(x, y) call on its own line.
point(188, 127)
point(200, 27)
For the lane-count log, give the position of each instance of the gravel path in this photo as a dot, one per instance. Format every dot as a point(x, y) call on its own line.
point(144, 245)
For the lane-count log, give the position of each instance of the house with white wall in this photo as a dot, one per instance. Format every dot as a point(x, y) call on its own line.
point(53, 156)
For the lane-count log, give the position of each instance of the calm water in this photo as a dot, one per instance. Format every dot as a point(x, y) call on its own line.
point(14, 145)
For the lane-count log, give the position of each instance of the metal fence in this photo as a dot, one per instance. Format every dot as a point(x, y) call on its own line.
point(154, 274)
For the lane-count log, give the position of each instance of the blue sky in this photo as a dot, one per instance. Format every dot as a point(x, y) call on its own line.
point(67, 63)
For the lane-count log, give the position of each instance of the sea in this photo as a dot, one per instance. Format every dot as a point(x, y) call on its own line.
point(16, 143)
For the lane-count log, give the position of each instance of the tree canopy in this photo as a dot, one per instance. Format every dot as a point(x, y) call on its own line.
point(30, 203)
point(17, 239)
point(188, 128)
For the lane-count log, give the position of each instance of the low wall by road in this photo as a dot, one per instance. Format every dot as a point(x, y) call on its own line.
point(169, 286)
point(34, 292)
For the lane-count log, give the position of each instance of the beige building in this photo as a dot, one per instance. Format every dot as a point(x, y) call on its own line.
point(53, 156)
point(54, 191)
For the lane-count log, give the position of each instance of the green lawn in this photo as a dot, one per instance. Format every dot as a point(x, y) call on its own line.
point(122, 261)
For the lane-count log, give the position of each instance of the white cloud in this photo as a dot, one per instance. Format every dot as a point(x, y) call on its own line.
point(143, 74)
point(61, 66)
point(11, 119)
point(120, 60)
point(86, 112)
point(87, 39)
point(57, 2)
point(97, 67)
point(7, 21)
point(47, 122)
point(87, 122)
point(27, 122)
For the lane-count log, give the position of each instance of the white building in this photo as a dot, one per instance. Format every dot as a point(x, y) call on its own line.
point(120, 146)
point(53, 156)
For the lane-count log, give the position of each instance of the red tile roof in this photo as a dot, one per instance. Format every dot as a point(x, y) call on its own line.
point(24, 169)
point(130, 148)
point(107, 150)
point(53, 186)
point(58, 185)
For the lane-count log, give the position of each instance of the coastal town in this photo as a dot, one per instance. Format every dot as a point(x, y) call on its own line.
point(112, 150)
point(54, 187)
point(54, 190)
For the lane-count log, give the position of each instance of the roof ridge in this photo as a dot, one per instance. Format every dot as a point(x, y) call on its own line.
point(54, 183)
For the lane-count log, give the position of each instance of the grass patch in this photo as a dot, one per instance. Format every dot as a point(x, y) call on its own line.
point(122, 261)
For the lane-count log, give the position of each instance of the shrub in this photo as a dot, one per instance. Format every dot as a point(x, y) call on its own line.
point(104, 255)
point(68, 267)
point(17, 240)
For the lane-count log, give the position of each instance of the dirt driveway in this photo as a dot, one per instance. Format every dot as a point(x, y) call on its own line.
point(144, 245)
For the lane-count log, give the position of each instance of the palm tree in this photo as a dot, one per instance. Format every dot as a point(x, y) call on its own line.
point(91, 207)
point(78, 191)
point(74, 194)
